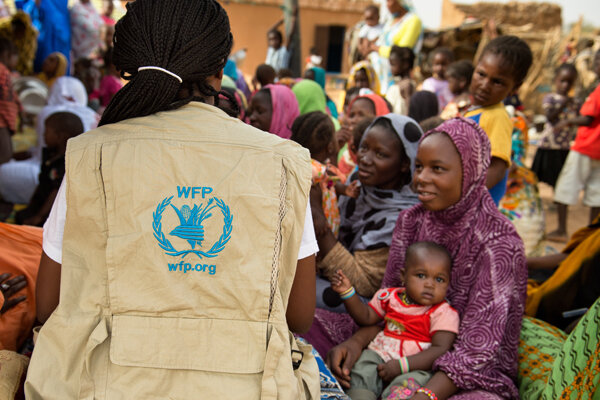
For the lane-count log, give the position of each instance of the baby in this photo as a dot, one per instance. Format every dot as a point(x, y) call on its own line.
point(420, 325)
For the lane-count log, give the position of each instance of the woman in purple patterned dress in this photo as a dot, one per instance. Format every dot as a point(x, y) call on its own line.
point(489, 274)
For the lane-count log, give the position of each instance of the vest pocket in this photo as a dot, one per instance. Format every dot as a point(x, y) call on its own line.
point(214, 345)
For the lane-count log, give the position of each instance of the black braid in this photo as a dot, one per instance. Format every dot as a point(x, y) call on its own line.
point(313, 130)
point(190, 38)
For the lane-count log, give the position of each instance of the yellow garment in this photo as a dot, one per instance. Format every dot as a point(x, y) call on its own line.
point(159, 300)
point(26, 45)
point(494, 120)
point(61, 70)
point(584, 244)
point(405, 35)
point(371, 76)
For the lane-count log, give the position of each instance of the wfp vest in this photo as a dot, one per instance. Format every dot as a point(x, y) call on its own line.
point(179, 253)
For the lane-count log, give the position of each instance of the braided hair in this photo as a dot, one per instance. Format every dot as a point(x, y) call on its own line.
point(314, 131)
point(190, 38)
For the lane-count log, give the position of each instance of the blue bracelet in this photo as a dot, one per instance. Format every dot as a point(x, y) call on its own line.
point(348, 295)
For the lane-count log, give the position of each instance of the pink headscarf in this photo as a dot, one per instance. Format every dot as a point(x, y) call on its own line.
point(285, 110)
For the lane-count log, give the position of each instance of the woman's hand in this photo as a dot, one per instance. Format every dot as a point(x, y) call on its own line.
point(342, 358)
point(8, 288)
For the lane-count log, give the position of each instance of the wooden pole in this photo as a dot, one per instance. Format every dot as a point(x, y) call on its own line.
point(294, 46)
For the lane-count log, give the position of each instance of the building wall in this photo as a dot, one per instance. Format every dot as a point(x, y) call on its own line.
point(250, 23)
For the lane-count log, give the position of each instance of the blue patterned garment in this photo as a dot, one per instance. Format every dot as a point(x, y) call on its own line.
point(330, 387)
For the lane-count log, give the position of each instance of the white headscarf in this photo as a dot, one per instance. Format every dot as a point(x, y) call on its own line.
point(67, 94)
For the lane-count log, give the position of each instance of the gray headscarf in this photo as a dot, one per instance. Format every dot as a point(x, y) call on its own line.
point(368, 221)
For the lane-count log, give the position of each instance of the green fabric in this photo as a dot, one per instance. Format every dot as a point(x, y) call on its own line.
point(310, 96)
point(553, 366)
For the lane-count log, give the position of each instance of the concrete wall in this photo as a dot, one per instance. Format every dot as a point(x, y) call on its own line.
point(250, 22)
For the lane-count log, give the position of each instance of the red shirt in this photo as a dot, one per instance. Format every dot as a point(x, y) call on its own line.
point(587, 141)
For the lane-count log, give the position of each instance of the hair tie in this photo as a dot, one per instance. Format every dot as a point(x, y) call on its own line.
point(162, 70)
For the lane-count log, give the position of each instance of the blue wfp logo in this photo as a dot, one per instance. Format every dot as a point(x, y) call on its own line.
point(190, 228)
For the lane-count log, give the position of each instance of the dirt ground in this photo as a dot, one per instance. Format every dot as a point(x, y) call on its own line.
point(578, 216)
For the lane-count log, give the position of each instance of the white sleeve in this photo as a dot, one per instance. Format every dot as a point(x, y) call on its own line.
point(55, 225)
point(309, 245)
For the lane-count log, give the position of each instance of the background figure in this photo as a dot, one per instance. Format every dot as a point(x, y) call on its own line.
point(51, 18)
point(22, 33)
point(423, 105)
point(53, 67)
point(86, 28)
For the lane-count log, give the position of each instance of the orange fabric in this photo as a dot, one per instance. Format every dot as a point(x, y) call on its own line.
point(20, 253)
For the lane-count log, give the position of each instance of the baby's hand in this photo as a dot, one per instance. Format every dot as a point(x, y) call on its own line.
point(353, 189)
point(389, 370)
point(339, 282)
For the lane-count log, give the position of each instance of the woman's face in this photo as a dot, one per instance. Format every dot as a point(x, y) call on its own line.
point(438, 173)
point(380, 162)
point(394, 6)
point(260, 111)
point(360, 109)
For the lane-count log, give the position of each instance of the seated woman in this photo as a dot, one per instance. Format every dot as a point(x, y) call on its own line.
point(488, 278)
point(385, 163)
point(274, 109)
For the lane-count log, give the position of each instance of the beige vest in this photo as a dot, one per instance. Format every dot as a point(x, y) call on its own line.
point(179, 253)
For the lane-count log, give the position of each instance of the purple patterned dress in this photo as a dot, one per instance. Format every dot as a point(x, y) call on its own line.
point(489, 274)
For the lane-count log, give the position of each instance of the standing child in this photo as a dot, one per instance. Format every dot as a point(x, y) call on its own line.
point(111, 82)
point(420, 326)
point(9, 103)
point(554, 147)
point(439, 59)
point(60, 127)
point(402, 60)
point(500, 71)
point(315, 132)
point(459, 75)
point(278, 53)
point(582, 166)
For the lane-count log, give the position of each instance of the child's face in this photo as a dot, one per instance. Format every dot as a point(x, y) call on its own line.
point(371, 17)
point(273, 40)
point(361, 79)
point(51, 137)
point(426, 277)
point(564, 81)
point(492, 80)
point(456, 85)
point(399, 66)
point(260, 111)
point(439, 65)
point(50, 65)
point(359, 110)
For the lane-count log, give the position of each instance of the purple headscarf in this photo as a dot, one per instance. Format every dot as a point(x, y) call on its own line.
point(489, 274)
point(285, 110)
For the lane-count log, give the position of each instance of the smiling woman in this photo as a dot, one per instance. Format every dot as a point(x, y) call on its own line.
point(385, 163)
point(488, 278)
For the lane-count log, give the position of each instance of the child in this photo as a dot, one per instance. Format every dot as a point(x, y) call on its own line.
point(53, 67)
point(265, 75)
point(459, 75)
point(500, 71)
point(278, 55)
point(420, 325)
point(370, 31)
point(9, 103)
point(554, 147)
point(363, 76)
point(439, 59)
point(315, 132)
point(111, 82)
point(582, 166)
point(402, 60)
point(60, 127)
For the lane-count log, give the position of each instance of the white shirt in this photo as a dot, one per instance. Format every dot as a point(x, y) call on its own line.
point(55, 227)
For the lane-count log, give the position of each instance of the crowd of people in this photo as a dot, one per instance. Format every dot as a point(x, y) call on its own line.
point(194, 233)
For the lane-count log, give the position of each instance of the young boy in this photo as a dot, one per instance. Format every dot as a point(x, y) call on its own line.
point(402, 60)
point(500, 71)
point(582, 167)
point(60, 127)
point(278, 54)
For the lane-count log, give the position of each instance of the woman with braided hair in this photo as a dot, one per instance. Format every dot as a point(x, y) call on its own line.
point(186, 258)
